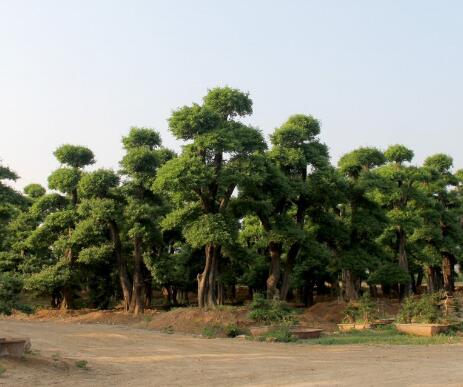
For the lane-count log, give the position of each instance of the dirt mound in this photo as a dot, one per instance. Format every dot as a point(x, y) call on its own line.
point(193, 320)
point(323, 315)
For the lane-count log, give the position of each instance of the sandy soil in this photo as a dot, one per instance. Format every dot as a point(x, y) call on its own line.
point(127, 356)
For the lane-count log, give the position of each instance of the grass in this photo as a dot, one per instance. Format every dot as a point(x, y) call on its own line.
point(81, 364)
point(2, 370)
point(387, 335)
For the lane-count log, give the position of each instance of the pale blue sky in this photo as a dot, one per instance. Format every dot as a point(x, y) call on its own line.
point(83, 72)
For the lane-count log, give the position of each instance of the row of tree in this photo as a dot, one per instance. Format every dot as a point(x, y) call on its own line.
point(231, 210)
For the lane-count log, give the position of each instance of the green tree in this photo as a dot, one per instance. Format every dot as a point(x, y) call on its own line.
point(204, 177)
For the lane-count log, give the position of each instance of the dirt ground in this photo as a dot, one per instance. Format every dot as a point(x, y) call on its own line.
point(127, 356)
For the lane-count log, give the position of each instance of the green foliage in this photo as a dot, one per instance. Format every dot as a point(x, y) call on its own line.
point(398, 154)
point(211, 331)
point(83, 364)
point(267, 311)
point(64, 179)
point(10, 288)
point(98, 183)
point(380, 336)
point(233, 330)
point(364, 310)
point(74, 156)
point(423, 310)
point(388, 274)
point(34, 191)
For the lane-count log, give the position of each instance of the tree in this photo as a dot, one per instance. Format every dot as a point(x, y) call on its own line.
point(401, 199)
point(362, 217)
point(56, 232)
point(143, 208)
point(206, 174)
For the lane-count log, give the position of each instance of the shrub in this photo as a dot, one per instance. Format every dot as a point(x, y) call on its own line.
point(232, 330)
point(10, 287)
point(269, 311)
point(424, 310)
point(2, 370)
point(364, 310)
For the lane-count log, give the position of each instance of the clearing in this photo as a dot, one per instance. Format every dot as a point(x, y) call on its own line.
point(127, 356)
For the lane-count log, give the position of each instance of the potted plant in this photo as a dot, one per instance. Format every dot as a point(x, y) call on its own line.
point(359, 315)
point(424, 316)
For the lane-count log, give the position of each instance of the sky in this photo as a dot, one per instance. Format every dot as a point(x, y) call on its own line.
point(374, 73)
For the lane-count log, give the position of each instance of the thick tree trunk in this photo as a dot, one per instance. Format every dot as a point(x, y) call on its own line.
point(67, 299)
point(350, 290)
point(433, 278)
point(274, 273)
point(136, 303)
point(286, 277)
point(447, 272)
point(207, 279)
point(124, 280)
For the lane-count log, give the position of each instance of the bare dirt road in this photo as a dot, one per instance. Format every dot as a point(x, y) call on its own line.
point(122, 356)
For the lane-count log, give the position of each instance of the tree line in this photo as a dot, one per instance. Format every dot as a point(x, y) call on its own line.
point(230, 209)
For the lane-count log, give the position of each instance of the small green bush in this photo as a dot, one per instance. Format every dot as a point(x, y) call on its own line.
point(2, 370)
point(269, 311)
point(233, 330)
point(424, 310)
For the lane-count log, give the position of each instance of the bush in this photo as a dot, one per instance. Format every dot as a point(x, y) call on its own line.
point(10, 287)
point(424, 310)
point(269, 311)
point(364, 310)
point(233, 330)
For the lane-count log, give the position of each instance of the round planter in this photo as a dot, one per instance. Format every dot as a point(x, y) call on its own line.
point(306, 333)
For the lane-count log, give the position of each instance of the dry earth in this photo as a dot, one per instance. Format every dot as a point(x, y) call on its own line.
point(127, 356)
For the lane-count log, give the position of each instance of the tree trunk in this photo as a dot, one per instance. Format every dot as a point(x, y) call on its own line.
point(447, 273)
point(121, 263)
point(433, 278)
point(136, 303)
point(286, 277)
point(350, 290)
point(67, 299)
point(404, 289)
point(307, 293)
point(207, 279)
point(274, 274)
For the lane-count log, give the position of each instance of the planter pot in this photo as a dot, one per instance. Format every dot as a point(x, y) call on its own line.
point(356, 326)
point(14, 347)
point(422, 329)
point(259, 331)
point(306, 333)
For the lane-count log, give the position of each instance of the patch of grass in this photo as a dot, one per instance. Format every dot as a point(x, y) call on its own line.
point(82, 364)
point(388, 335)
point(2, 370)
point(211, 331)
